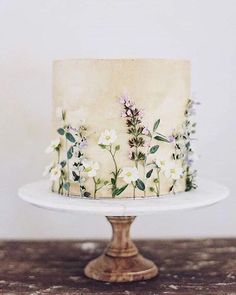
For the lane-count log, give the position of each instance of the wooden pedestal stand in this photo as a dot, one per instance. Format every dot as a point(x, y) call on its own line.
point(121, 261)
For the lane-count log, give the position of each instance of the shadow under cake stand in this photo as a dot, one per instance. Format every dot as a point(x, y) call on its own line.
point(121, 261)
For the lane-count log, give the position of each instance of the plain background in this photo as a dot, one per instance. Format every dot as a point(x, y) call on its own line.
point(33, 33)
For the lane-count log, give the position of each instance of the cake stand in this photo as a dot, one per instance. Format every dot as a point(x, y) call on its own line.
point(121, 261)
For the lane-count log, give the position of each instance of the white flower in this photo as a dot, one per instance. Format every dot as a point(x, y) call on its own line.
point(173, 171)
point(55, 173)
point(53, 145)
point(129, 174)
point(161, 164)
point(108, 137)
point(48, 169)
point(90, 167)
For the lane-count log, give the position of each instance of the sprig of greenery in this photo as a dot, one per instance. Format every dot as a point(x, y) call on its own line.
point(98, 184)
point(73, 138)
point(151, 150)
point(183, 146)
point(116, 191)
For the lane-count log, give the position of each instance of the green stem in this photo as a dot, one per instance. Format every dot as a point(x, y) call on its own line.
point(158, 177)
point(67, 166)
point(157, 191)
point(60, 191)
point(145, 163)
point(173, 186)
point(58, 156)
point(116, 167)
point(95, 187)
point(134, 187)
point(114, 160)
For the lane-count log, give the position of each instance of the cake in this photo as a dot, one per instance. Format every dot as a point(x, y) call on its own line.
point(122, 128)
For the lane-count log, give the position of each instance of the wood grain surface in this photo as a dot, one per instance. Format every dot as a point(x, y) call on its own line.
point(56, 267)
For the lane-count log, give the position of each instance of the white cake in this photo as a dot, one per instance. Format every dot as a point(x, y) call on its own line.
point(121, 128)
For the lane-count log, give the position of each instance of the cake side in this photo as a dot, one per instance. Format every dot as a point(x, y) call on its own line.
point(119, 122)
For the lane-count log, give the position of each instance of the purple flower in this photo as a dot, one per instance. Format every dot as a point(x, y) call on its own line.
point(192, 111)
point(197, 103)
point(128, 103)
point(189, 162)
point(124, 99)
point(145, 131)
point(83, 144)
point(171, 138)
point(73, 128)
point(141, 114)
point(123, 114)
point(129, 113)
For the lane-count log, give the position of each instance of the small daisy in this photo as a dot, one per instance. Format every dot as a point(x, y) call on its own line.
point(173, 171)
point(55, 173)
point(108, 137)
point(161, 164)
point(53, 146)
point(90, 167)
point(129, 174)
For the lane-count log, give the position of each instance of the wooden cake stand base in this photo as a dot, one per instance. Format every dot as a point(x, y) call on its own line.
point(121, 261)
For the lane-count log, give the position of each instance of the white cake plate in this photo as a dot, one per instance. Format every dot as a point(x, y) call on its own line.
point(39, 194)
point(121, 261)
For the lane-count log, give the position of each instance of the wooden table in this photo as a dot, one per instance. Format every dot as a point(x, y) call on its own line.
point(186, 267)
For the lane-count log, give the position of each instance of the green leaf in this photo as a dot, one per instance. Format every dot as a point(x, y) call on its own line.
point(117, 147)
point(154, 148)
point(66, 186)
point(148, 175)
point(118, 191)
point(102, 146)
point(155, 126)
point(76, 177)
point(87, 195)
point(113, 181)
point(61, 131)
point(70, 153)
point(70, 137)
point(63, 164)
point(140, 184)
point(161, 138)
point(121, 189)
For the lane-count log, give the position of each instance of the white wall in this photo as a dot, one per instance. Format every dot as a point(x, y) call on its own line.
point(33, 33)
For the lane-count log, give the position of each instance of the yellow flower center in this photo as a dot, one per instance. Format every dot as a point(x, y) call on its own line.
point(172, 170)
point(108, 137)
point(128, 174)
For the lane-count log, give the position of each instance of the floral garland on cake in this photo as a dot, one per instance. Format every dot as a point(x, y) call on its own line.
point(72, 166)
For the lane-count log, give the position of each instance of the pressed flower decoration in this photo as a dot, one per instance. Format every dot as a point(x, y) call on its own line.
point(142, 142)
point(71, 164)
point(183, 150)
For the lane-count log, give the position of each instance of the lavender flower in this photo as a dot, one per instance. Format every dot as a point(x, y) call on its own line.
point(83, 144)
point(171, 138)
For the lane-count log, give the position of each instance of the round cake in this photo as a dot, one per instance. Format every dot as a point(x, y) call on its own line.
point(121, 128)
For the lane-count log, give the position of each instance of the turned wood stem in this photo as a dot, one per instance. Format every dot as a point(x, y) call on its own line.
point(121, 244)
point(121, 261)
